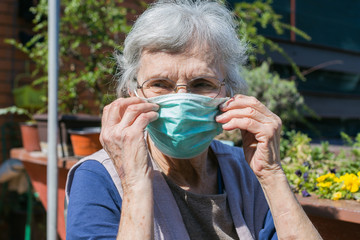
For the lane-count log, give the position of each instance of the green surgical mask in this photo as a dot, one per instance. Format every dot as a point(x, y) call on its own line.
point(186, 124)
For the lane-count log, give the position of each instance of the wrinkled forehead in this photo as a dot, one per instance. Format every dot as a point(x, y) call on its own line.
point(201, 51)
point(188, 64)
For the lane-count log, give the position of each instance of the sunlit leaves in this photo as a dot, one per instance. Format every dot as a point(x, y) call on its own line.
point(260, 14)
point(90, 30)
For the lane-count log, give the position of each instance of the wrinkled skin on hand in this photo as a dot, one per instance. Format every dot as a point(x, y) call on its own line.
point(122, 136)
point(260, 129)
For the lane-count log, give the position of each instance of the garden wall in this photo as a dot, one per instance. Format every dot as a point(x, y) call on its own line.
point(12, 62)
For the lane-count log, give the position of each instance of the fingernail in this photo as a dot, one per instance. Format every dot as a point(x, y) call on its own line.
point(156, 107)
point(219, 117)
point(226, 124)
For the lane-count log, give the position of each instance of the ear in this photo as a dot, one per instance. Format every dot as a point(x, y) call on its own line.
point(135, 93)
point(131, 93)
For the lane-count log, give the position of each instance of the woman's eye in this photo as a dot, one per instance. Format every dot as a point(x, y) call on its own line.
point(202, 83)
point(160, 84)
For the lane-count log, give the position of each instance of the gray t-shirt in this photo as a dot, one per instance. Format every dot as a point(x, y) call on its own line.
point(204, 216)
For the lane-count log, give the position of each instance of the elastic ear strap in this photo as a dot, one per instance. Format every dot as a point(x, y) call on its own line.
point(132, 86)
point(139, 96)
point(136, 93)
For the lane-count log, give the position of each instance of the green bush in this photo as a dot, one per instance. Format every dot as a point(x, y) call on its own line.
point(260, 14)
point(279, 95)
point(90, 31)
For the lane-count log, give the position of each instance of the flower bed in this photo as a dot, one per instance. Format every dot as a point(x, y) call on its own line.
point(345, 186)
point(319, 171)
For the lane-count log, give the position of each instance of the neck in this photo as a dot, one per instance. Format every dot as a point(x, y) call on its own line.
point(198, 174)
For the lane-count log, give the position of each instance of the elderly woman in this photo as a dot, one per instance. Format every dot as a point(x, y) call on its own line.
point(161, 175)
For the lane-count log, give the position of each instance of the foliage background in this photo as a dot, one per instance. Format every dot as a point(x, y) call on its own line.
point(91, 30)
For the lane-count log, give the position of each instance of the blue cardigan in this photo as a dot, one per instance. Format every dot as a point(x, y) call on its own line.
point(94, 197)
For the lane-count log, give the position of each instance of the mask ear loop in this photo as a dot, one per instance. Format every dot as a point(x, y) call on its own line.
point(137, 95)
point(131, 87)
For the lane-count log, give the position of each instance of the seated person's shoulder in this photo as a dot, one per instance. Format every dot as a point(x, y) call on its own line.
point(91, 178)
point(94, 203)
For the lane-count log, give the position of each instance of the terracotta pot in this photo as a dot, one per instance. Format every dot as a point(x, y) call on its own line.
point(85, 141)
point(30, 137)
point(65, 122)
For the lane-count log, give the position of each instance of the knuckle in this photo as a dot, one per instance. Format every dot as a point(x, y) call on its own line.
point(119, 103)
point(133, 108)
point(124, 135)
point(247, 122)
point(253, 101)
point(106, 108)
point(250, 111)
point(104, 138)
point(237, 96)
point(143, 117)
point(277, 122)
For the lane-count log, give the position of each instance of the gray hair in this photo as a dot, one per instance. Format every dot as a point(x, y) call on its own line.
point(174, 26)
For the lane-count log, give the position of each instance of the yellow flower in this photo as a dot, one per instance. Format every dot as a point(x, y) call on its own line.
point(325, 184)
point(321, 178)
point(354, 188)
point(336, 196)
point(331, 175)
point(351, 182)
point(358, 174)
point(337, 180)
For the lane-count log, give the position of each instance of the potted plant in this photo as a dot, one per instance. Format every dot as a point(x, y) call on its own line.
point(29, 131)
point(29, 100)
point(89, 33)
point(85, 141)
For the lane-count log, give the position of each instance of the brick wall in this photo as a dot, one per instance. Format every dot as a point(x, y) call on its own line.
point(12, 61)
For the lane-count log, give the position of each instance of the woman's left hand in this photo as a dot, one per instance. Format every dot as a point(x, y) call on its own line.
point(260, 129)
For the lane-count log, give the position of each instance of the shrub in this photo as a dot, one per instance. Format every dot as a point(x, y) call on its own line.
point(90, 30)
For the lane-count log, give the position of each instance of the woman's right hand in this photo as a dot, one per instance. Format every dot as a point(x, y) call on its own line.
point(122, 136)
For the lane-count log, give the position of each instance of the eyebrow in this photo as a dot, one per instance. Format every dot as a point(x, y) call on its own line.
point(195, 77)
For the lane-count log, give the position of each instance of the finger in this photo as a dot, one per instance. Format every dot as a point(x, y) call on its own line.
point(112, 114)
point(261, 131)
point(104, 115)
point(143, 120)
point(135, 110)
point(247, 112)
point(103, 124)
point(242, 101)
point(117, 109)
